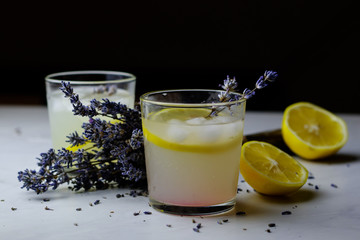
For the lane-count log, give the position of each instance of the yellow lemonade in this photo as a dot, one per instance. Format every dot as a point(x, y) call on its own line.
point(112, 85)
point(192, 160)
point(63, 121)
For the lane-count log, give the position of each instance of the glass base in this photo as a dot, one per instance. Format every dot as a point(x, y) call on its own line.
point(193, 210)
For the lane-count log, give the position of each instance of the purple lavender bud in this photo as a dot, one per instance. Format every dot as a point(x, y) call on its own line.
point(229, 84)
point(270, 75)
point(247, 93)
point(260, 83)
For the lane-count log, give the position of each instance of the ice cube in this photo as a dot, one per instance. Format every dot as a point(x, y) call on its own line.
point(220, 120)
point(177, 133)
point(196, 121)
point(232, 130)
point(60, 104)
point(209, 133)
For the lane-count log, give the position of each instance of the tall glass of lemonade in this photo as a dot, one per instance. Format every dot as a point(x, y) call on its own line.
point(192, 150)
point(115, 86)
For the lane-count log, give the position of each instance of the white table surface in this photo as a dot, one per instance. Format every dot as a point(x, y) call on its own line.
point(326, 213)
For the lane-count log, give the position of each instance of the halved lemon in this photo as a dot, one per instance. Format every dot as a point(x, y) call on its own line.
point(269, 170)
point(313, 132)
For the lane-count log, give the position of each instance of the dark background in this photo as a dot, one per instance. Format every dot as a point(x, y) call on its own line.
point(313, 45)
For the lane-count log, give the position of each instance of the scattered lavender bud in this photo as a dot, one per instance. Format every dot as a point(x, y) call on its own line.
point(334, 185)
point(240, 213)
point(311, 176)
point(48, 209)
point(97, 202)
point(147, 213)
point(286, 213)
point(133, 193)
point(78, 209)
point(272, 225)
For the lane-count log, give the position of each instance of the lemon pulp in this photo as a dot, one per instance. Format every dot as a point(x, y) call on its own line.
point(269, 170)
point(313, 132)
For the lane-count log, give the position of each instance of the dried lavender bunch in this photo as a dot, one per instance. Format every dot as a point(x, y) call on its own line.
point(230, 85)
point(113, 151)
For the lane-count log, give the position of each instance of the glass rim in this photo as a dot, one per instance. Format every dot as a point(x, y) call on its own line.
point(52, 77)
point(143, 98)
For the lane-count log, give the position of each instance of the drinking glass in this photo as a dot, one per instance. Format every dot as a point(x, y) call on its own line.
point(115, 86)
point(192, 150)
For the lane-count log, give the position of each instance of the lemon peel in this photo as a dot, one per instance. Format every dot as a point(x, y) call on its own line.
point(269, 170)
point(313, 132)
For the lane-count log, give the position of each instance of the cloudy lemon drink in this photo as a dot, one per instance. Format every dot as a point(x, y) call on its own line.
point(192, 156)
point(115, 86)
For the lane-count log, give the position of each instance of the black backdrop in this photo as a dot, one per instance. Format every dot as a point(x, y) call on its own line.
point(177, 44)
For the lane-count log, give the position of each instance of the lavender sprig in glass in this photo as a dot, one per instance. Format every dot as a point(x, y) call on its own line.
point(230, 85)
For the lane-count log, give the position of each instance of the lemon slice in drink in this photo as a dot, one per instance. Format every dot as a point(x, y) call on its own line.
point(179, 129)
point(181, 114)
point(269, 170)
point(313, 132)
point(77, 147)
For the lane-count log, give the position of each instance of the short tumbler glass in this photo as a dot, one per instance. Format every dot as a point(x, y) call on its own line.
point(115, 86)
point(192, 156)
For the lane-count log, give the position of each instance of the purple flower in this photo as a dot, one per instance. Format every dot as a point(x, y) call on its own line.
point(270, 75)
point(223, 96)
point(247, 93)
point(260, 83)
point(229, 84)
